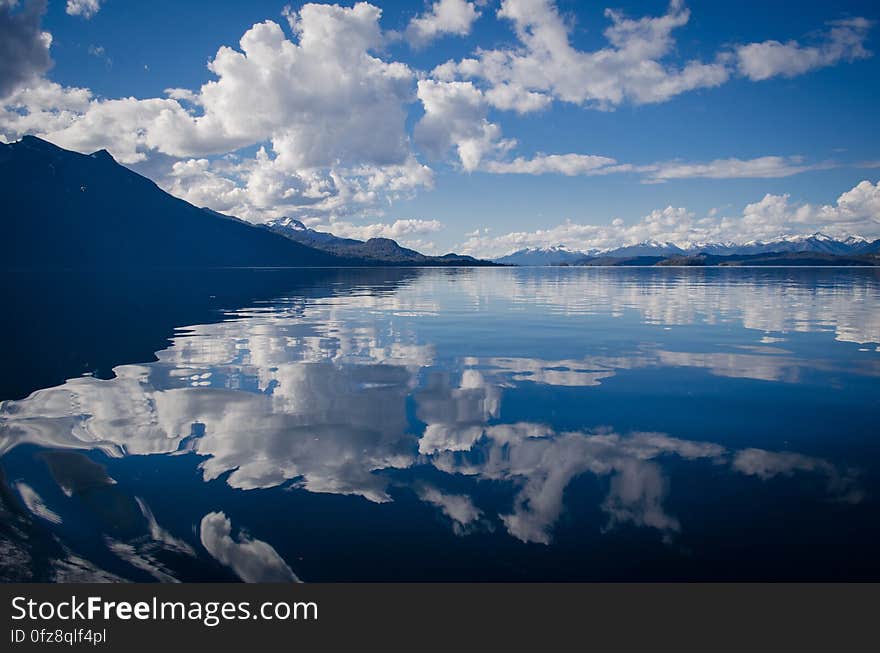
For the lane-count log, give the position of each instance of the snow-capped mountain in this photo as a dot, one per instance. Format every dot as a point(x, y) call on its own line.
point(817, 243)
point(538, 256)
point(375, 250)
point(646, 248)
point(296, 230)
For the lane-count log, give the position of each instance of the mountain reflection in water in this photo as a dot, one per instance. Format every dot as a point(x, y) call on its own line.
point(453, 424)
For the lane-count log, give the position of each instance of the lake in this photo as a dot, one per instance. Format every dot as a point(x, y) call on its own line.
point(441, 424)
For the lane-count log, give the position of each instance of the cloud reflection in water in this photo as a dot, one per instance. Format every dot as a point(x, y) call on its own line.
point(333, 395)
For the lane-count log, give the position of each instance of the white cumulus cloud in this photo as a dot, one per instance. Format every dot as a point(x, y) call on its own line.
point(637, 65)
point(84, 8)
point(630, 68)
point(855, 211)
point(843, 41)
point(445, 17)
point(399, 229)
point(456, 118)
point(271, 89)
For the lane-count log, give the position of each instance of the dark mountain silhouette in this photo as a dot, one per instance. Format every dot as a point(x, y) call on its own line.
point(63, 209)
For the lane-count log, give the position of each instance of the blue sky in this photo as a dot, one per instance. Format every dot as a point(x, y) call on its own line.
point(477, 126)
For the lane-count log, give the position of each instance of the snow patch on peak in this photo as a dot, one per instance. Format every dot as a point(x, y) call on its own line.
point(288, 223)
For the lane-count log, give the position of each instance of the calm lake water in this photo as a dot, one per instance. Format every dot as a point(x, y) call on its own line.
point(460, 424)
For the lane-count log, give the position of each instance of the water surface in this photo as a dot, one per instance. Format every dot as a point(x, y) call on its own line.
point(443, 424)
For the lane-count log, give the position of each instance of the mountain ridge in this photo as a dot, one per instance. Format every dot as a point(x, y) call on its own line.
point(373, 249)
point(64, 209)
point(72, 210)
point(816, 243)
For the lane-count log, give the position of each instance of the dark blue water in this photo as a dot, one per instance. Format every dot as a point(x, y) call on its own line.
point(470, 424)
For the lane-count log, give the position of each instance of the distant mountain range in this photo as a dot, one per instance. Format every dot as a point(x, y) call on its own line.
point(68, 210)
point(650, 252)
point(377, 250)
